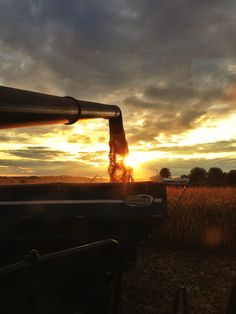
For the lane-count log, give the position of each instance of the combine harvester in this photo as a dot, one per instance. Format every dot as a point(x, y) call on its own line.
point(64, 246)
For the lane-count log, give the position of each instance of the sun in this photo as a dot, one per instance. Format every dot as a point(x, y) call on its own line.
point(129, 161)
point(134, 159)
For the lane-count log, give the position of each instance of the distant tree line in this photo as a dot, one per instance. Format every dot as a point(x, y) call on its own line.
point(200, 176)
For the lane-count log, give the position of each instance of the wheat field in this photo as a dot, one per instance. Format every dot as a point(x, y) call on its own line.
point(204, 220)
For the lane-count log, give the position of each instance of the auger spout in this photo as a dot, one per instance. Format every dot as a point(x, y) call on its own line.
point(21, 108)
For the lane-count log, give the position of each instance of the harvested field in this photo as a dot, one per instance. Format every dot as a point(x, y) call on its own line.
point(150, 289)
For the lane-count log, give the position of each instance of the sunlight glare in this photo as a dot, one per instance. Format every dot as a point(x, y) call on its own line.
point(222, 130)
point(135, 158)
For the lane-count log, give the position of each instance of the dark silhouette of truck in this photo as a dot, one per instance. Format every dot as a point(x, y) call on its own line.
point(64, 246)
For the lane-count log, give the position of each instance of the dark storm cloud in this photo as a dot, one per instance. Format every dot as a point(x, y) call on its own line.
point(186, 95)
point(108, 44)
point(170, 123)
point(79, 40)
point(175, 109)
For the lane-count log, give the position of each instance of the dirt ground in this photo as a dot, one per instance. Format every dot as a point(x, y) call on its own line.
point(152, 286)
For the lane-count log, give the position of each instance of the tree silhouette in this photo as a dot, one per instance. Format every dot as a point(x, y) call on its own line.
point(225, 178)
point(165, 173)
point(232, 177)
point(198, 176)
point(215, 176)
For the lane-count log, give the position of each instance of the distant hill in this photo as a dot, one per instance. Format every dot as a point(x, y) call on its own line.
point(48, 179)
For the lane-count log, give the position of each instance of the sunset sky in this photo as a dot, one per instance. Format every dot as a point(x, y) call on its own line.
point(169, 65)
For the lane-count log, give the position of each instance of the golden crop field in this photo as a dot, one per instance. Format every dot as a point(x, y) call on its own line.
point(204, 220)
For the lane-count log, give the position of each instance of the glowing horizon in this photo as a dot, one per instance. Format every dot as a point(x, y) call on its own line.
point(139, 155)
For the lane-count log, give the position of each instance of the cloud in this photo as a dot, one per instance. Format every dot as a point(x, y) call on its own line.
point(217, 147)
point(95, 46)
point(38, 153)
point(50, 167)
point(170, 65)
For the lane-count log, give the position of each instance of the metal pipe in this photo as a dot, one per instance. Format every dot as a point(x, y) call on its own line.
point(21, 108)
